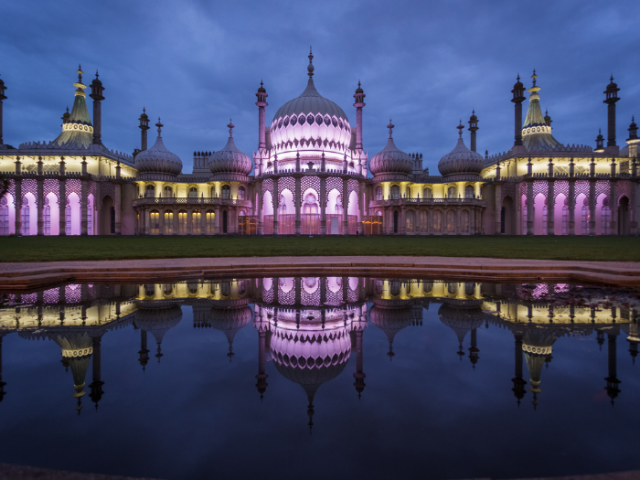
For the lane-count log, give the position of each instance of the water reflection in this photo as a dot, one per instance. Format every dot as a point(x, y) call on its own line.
point(309, 327)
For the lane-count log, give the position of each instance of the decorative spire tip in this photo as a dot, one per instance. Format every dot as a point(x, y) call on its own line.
point(390, 127)
point(159, 125)
point(230, 126)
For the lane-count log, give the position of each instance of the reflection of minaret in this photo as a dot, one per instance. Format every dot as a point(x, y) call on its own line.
point(77, 348)
point(600, 338)
point(634, 337)
point(612, 380)
point(144, 351)
point(262, 376)
point(537, 344)
point(2, 383)
point(474, 350)
point(359, 375)
point(518, 382)
point(96, 384)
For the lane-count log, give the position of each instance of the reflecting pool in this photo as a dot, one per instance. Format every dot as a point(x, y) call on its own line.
point(321, 377)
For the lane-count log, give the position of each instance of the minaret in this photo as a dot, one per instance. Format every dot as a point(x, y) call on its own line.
point(261, 385)
point(261, 103)
point(518, 98)
point(144, 351)
point(632, 141)
point(2, 98)
point(518, 382)
point(474, 350)
point(96, 384)
point(359, 96)
point(599, 142)
point(144, 126)
point(359, 375)
point(611, 94)
point(612, 380)
point(96, 94)
point(547, 118)
point(473, 128)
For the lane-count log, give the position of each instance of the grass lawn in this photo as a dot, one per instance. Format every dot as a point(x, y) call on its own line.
point(38, 249)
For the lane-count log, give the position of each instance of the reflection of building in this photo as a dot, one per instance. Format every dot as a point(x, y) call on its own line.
point(309, 327)
point(310, 174)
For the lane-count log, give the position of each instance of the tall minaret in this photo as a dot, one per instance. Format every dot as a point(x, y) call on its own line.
point(611, 94)
point(473, 128)
point(144, 126)
point(2, 98)
point(518, 98)
point(96, 94)
point(359, 96)
point(261, 103)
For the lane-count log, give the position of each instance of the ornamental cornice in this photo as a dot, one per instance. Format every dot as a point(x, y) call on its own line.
point(77, 352)
point(76, 127)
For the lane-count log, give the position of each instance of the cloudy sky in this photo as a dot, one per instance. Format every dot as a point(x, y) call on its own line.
point(426, 64)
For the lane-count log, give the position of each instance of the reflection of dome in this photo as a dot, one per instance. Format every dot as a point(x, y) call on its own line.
point(391, 160)
point(227, 320)
point(460, 319)
point(76, 350)
point(158, 159)
point(461, 160)
point(229, 159)
point(311, 122)
point(158, 318)
point(391, 321)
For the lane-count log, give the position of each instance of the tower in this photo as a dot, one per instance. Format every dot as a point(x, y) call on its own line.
point(473, 128)
point(359, 96)
point(547, 118)
point(3, 97)
point(518, 98)
point(96, 94)
point(599, 142)
point(144, 126)
point(611, 94)
point(261, 103)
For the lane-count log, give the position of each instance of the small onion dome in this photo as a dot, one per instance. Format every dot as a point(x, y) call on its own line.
point(359, 89)
point(391, 160)
point(461, 160)
point(158, 160)
point(262, 89)
point(157, 318)
point(229, 159)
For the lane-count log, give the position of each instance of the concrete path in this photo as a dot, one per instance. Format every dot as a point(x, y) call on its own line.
point(21, 276)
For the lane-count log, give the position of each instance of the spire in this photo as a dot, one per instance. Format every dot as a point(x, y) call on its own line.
point(390, 127)
point(536, 131)
point(460, 127)
point(310, 67)
point(633, 129)
point(159, 125)
point(77, 131)
point(230, 126)
point(547, 118)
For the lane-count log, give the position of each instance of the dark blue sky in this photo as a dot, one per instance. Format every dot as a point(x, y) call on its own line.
point(424, 64)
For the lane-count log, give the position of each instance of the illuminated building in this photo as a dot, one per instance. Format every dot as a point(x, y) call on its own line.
point(310, 175)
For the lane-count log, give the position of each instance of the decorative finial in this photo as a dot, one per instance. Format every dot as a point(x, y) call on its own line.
point(80, 72)
point(261, 84)
point(310, 67)
point(230, 126)
point(518, 77)
point(612, 78)
point(390, 127)
point(358, 83)
point(97, 73)
point(144, 110)
point(159, 125)
point(460, 127)
point(534, 76)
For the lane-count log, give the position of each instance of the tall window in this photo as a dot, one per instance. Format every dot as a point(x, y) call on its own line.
point(407, 193)
point(451, 192)
point(468, 192)
point(378, 193)
point(195, 221)
point(47, 218)
point(395, 192)
point(565, 220)
point(150, 191)
point(182, 222)
point(26, 217)
point(545, 219)
point(585, 220)
point(193, 192)
point(310, 204)
point(112, 226)
point(168, 222)
point(4, 216)
point(168, 191)
point(211, 216)
point(606, 217)
point(242, 193)
point(226, 192)
point(427, 193)
point(155, 222)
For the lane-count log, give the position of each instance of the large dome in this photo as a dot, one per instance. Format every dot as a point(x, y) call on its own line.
point(391, 160)
point(310, 122)
point(461, 161)
point(230, 160)
point(158, 159)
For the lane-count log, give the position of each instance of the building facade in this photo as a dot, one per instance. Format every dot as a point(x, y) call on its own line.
point(310, 175)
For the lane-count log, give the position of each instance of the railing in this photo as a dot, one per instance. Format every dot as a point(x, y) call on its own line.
point(426, 201)
point(191, 201)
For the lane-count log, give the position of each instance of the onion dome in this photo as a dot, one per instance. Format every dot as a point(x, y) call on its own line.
point(310, 122)
point(229, 160)
point(228, 320)
point(391, 321)
point(77, 130)
point(536, 132)
point(461, 160)
point(158, 161)
point(461, 320)
point(157, 318)
point(76, 350)
point(537, 345)
point(391, 160)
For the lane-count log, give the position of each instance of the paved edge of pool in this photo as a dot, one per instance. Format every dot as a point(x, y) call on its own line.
point(24, 276)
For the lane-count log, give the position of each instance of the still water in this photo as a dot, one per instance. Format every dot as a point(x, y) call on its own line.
point(321, 377)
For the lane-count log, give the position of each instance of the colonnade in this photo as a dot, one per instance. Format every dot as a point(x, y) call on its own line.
point(451, 220)
point(210, 221)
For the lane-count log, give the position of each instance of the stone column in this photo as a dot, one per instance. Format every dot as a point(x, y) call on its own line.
point(190, 219)
point(84, 204)
point(361, 202)
point(276, 203)
point(40, 205)
point(18, 206)
point(203, 221)
point(117, 204)
point(345, 206)
point(572, 207)
point(613, 202)
point(530, 209)
point(323, 206)
point(551, 207)
point(297, 200)
point(498, 208)
point(402, 228)
point(592, 207)
point(160, 221)
point(147, 220)
point(217, 221)
point(259, 206)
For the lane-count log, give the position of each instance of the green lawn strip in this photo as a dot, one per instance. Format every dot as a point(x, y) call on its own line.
point(39, 249)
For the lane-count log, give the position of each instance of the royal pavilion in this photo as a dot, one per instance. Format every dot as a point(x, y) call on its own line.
point(310, 175)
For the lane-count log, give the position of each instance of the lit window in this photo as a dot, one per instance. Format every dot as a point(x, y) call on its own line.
point(26, 217)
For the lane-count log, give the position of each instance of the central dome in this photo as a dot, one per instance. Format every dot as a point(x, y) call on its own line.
point(310, 122)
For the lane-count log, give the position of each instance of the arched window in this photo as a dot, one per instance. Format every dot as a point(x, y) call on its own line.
point(213, 192)
point(182, 222)
point(150, 191)
point(395, 192)
point(26, 217)
point(225, 289)
point(310, 204)
point(193, 192)
point(394, 288)
point(193, 288)
point(565, 220)
point(282, 206)
point(427, 193)
point(195, 221)
point(155, 222)
point(585, 220)
point(606, 217)
point(339, 204)
point(242, 193)
point(468, 192)
point(168, 191)
point(545, 220)
point(211, 216)
point(451, 192)
point(4, 216)
point(168, 222)
point(378, 193)
point(469, 289)
point(226, 192)
point(407, 193)
point(47, 218)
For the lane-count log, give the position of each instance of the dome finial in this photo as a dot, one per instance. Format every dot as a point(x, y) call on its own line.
point(390, 127)
point(310, 67)
point(534, 76)
point(460, 127)
point(159, 125)
point(80, 72)
point(230, 126)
